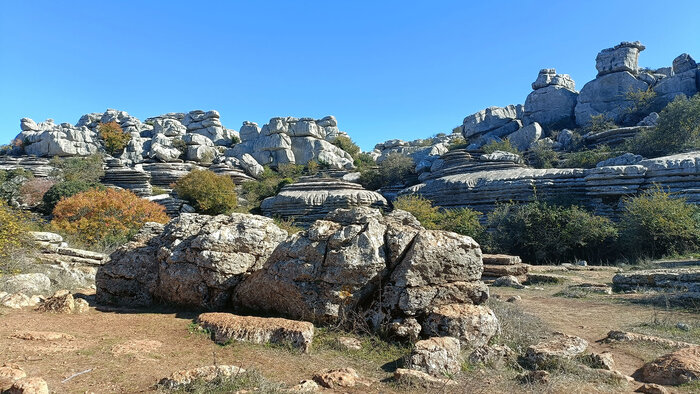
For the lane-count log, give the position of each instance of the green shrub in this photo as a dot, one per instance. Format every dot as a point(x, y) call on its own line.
point(396, 169)
point(114, 138)
point(457, 143)
point(346, 144)
point(292, 171)
point(11, 182)
point(208, 192)
point(157, 190)
point(587, 158)
point(14, 229)
point(63, 190)
point(461, 221)
point(642, 100)
point(598, 123)
point(540, 232)
point(180, 145)
point(82, 169)
point(542, 156)
point(503, 145)
point(678, 130)
point(364, 161)
point(655, 224)
point(269, 184)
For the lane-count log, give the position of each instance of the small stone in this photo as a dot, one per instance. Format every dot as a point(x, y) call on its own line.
point(81, 306)
point(683, 326)
point(561, 346)
point(205, 374)
point(32, 385)
point(515, 298)
point(602, 360)
point(537, 376)
point(336, 378)
point(9, 374)
point(507, 281)
point(306, 386)
point(42, 336)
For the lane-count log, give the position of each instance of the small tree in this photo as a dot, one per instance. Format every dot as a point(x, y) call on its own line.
point(346, 144)
point(63, 190)
point(103, 218)
point(208, 192)
point(461, 220)
point(114, 138)
point(656, 224)
point(504, 146)
point(13, 231)
point(82, 169)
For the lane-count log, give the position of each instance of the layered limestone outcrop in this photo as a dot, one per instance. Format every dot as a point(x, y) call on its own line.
point(601, 188)
point(311, 199)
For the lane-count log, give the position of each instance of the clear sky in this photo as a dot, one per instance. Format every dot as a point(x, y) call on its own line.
point(385, 69)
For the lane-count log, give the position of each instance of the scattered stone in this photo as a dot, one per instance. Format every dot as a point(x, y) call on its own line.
point(437, 356)
point(206, 374)
point(507, 281)
point(62, 302)
point(651, 388)
point(634, 337)
point(33, 385)
point(42, 336)
point(679, 367)
point(515, 298)
point(227, 326)
point(561, 346)
point(408, 328)
point(412, 377)
point(592, 288)
point(683, 326)
point(602, 360)
point(9, 374)
point(17, 301)
point(349, 343)
point(306, 386)
point(339, 378)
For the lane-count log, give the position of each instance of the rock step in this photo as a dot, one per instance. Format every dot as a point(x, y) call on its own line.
point(227, 326)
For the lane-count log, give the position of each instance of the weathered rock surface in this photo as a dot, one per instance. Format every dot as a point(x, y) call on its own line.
point(194, 260)
point(436, 356)
point(206, 374)
point(311, 199)
point(339, 378)
point(474, 325)
point(561, 346)
point(31, 385)
point(679, 367)
point(552, 102)
point(683, 281)
point(226, 327)
point(412, 377)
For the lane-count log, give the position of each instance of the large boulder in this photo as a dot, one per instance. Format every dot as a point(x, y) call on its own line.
point(622, 57)
point(197, 260)
point(679, 367)
point(524, 138)
point(48, 139)
point(496, 121)
point(552, 102)
point(608, 95)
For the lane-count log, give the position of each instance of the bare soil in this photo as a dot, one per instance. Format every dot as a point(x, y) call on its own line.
point(131, 350)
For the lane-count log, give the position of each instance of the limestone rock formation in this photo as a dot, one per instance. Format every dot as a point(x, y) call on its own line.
point(552, 102)
point(622, 57)
point(679, 367)
point(561, 346)
point(49, 139)
point(195, 260)
point(437, 356)
point(206, 374)
point(311, 199)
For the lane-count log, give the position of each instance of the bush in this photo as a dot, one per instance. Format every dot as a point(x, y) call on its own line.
point(655, 224)
point(32, 192)
point(396, 169)
point(80, 169)
point(63, 190)
point(543, 157)
point(105, 217)
point(540, 232)
point(461, 221)
point(587, 158)
point(114, 138)
point(14, 229)
point(598, 123)
point(504, 146)
point(11, 182)
point(208, 192)
point(346, 144)
point(457, 143)
point(642, 100)
point(678, 130)
point(364, 161)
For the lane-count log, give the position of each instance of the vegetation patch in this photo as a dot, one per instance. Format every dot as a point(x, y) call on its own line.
point(209, 193)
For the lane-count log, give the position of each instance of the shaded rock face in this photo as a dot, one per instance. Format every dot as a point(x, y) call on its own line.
point(608, 95)
point(311, 199)
point(622, 57)
point(552, 102)
point(195, 260)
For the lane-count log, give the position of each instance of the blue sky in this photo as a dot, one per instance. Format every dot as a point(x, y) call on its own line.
point(389, 69)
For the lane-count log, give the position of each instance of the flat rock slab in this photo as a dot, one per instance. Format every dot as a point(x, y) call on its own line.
point(561, 346)
point(227, 326)
point(206, 374)
point(501, 259)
